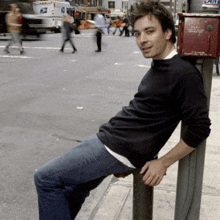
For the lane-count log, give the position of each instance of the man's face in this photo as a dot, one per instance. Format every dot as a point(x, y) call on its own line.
point(150, 38)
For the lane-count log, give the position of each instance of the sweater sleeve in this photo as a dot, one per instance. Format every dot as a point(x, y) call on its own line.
point(194, 110)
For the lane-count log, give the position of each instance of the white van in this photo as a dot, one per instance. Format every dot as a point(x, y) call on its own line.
point(52, 13)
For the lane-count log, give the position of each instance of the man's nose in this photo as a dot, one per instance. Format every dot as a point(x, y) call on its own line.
point(143, 38)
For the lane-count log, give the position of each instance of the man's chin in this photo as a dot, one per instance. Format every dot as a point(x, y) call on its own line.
point(147, 55)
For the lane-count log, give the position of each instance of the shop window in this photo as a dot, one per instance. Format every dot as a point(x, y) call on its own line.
point(111, 4)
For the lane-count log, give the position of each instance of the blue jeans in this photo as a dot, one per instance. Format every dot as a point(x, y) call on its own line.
point(15, 38)
point(63, 183)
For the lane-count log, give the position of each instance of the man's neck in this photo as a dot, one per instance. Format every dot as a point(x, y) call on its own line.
point(170, 47)
point(171, 54)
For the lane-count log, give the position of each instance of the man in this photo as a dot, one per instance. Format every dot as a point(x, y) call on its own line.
point(100, 24)
point(108, 23)
point(76, 22)
point(13, 23)
point(117, 23)
point(125, 27)
point(171, 91)
point(67, 29)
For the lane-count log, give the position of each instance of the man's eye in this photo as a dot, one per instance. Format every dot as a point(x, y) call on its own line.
point(136, 34)
point(150, 32)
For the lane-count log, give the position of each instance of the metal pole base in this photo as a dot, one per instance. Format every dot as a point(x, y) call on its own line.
point(142, 198)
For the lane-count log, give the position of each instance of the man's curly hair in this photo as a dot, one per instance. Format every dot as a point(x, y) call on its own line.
point(155, 8)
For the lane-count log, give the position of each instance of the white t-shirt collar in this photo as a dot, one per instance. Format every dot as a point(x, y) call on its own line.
point(171, 54)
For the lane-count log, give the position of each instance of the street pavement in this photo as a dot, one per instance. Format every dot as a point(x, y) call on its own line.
point(51, 101)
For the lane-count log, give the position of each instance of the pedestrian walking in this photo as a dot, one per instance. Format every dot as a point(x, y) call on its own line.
point(67, 29)
point(125, 25)
point(20, 21)
point(171, 91)
point(108, 24)
point(117, 23)
point(13, 21)
point(100, 24)
point(77, 23)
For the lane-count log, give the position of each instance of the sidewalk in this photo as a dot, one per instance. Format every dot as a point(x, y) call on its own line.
point(113, 199)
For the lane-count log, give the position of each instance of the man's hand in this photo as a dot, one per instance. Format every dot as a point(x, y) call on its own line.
point(153, 172)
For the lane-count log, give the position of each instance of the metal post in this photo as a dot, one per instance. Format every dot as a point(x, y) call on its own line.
point(142, 198)
point(190, 170)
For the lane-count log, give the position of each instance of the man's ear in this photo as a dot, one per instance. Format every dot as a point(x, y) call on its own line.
point(168, 34)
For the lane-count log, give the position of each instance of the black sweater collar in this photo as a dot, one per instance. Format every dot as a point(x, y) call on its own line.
point(164, 63)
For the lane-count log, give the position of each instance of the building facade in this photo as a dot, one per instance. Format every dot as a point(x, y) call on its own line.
point(86, 2)
point(174, 6)
point(124, 5)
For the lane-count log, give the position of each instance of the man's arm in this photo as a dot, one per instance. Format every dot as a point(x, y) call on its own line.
point(153, 171)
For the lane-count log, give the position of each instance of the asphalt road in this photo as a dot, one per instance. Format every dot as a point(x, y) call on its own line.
point(50, 101)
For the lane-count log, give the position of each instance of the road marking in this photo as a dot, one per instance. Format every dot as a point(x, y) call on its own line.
point(143, 66)
point(45, 48)
point(139, 65)
point(21, 57)
point(91, 35)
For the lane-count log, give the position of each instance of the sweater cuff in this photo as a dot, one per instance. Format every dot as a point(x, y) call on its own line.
point(192, 140)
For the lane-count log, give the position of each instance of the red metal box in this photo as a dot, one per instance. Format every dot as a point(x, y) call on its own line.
point(199, 35)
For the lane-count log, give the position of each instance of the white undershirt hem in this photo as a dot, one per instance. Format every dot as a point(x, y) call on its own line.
point(119, 157)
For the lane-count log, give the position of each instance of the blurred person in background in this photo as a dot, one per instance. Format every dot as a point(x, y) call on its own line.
point(125, 27)
point(77, 23)
point(20, 21)
point(108, 24)
point(14, 24)
point(117, 24)
point(67, 29)
point(100, 24)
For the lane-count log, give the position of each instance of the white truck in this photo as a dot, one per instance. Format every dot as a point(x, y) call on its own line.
point(52, 12)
